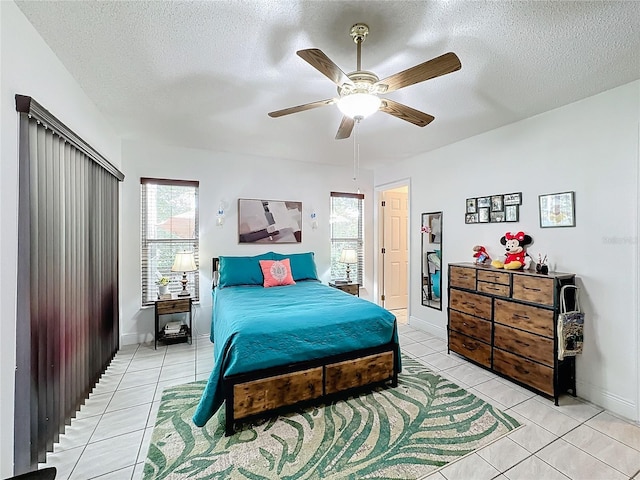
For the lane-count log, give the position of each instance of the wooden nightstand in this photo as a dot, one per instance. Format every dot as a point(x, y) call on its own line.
point(168, 307)
point(352, 288)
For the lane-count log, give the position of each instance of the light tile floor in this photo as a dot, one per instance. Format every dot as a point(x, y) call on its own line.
point(576, 440)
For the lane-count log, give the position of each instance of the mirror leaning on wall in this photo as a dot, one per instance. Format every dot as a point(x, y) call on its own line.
point(431, 259)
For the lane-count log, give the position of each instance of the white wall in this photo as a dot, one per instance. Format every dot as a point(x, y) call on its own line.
point(227, 176)
point(29, 67)
point(590, 147)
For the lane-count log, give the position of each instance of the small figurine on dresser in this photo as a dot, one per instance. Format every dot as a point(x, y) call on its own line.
point(516, 257)
point(480, 255)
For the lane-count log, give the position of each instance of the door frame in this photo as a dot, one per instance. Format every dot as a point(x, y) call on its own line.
point(377, 225)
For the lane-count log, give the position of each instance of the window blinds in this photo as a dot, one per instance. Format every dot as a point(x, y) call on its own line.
point(347, 232)
point(169, 224)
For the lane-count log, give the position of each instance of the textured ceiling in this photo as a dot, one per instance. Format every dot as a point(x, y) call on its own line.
point(205, 74)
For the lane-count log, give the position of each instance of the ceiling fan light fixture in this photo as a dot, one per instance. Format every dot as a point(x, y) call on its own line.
point(359, 105)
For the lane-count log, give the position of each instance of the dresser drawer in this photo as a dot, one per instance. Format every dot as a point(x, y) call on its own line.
point(533, 289)
point(493, 288)
point(471, 326)
point(493, 277)
point(468, 347)
point(525, 317)
point(470, 303)
point(524, 344)
point(523, 370)
point(462, 277)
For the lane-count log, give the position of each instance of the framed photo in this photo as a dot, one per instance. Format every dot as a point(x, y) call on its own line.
point(484, 202)
point(497, 216)
point(471, 218)
point(511, 213)
point(471, 205)
point(496, 203)
point(513, 199)
point(557, 210)
point(269, 221)
point(483, 215)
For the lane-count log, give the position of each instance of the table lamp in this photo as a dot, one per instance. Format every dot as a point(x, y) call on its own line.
point(184, 262)
point(349, 257)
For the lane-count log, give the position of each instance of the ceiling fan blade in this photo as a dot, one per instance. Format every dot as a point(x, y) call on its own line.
point(405, 113)
point(302, 108)
point(345, 128)
point(447, 63)
point(318, 60)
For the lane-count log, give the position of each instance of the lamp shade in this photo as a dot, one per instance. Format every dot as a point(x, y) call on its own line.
point(348, 256)
point(359, 105)
point(184, 262)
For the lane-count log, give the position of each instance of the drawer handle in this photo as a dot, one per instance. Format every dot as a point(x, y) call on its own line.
point(521, 369)
point(495, 289)
point(517, 315)
point(533, 289)
point(469, 347)
point(467, 325)
point(472, 305)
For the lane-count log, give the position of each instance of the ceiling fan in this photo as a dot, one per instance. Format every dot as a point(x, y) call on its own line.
point(359, 90)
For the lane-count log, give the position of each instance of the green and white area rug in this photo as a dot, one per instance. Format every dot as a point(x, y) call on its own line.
point(395, 433)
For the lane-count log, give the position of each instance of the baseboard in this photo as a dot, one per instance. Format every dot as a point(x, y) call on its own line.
point(615, 404)
point(135, 338)
point(436, 330)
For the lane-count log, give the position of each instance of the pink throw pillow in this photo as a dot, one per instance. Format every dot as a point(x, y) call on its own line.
point(276, 272)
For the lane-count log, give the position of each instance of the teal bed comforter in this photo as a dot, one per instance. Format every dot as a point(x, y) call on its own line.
point(255, 328)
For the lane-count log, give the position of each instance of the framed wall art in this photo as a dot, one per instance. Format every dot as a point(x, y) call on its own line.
point(497, 217)
point(269, 221)
point(557, 210)
point(471, 205)
point(483, 215)
point(512, 198)
point(496, 203)
point(471, 218)
point(504, 207)
point(484, 202)
point(511, 213)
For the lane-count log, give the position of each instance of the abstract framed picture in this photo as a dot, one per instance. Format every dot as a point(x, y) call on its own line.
point(557, 210)
point(269, 221)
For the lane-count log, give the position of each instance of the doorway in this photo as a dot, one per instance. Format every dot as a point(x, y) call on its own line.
point(394, 250)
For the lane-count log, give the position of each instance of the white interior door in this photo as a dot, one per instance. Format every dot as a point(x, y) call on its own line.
point(395, 244)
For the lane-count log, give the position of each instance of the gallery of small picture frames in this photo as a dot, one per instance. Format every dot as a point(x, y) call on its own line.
point(493, 208)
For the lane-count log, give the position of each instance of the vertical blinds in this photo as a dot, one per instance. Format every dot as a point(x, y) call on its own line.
point(169, 224)
point(67, 305)
point(347, 232)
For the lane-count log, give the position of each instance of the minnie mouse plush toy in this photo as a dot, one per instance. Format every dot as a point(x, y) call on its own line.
point(516, 256)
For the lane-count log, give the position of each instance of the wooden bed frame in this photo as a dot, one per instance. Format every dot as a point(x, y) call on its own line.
point(253, 395)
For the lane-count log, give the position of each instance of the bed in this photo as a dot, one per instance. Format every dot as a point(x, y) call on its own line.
point(290, 346)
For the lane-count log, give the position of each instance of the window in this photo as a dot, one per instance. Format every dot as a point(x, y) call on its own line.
point(169, 225)
point(347, 232)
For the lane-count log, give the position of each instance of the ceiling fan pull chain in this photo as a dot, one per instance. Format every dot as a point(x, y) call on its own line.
point(355, 147)
point(356, 151)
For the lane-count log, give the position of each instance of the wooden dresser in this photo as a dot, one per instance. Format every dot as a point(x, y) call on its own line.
point(506, 322)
